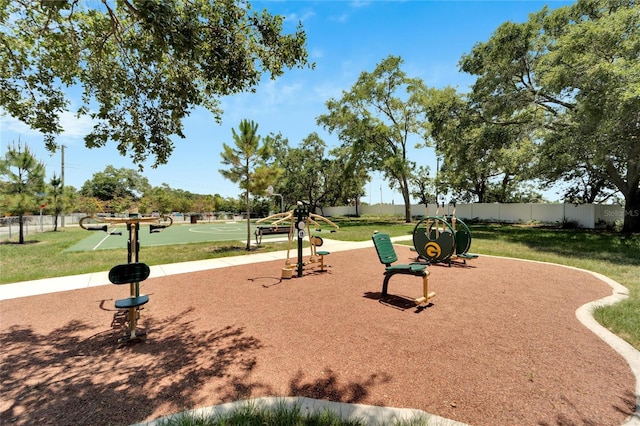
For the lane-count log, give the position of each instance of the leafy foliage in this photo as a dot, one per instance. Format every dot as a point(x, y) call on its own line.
point(309, 174)
point(483, 162)
point(249, 164)
point(142, 65)
point(22, 178)
point(376, 119)
point(574, 74)
point(113, 184)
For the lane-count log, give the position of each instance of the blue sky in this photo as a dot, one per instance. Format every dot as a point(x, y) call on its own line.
point(344, 38)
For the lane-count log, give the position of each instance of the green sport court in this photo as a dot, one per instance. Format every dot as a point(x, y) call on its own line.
point(175, 234)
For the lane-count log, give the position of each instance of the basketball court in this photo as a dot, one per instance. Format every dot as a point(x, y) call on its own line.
point(178, 233)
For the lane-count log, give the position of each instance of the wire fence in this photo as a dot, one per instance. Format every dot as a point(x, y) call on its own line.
point(32, 224)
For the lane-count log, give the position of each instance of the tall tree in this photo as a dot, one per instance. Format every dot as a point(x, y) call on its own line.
point(141, 65)
point(424, 186)
point(376, 120)
point(319, 178)
point(113, 183)
point(575, 72)
point(482, 161)
point(248, 165)
point(23, 182)
point(347, 177)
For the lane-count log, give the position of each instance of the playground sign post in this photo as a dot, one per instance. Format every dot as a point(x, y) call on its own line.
point(302, 214)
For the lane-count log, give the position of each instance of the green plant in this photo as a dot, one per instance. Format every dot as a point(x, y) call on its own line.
point(251, 414)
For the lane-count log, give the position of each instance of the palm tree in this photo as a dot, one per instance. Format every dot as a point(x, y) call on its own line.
point(249, 165)
point(23, 181)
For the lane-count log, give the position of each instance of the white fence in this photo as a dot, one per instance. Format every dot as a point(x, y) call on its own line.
point(584, 215)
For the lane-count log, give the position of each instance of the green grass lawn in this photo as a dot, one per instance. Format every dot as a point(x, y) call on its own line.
point(614, 255)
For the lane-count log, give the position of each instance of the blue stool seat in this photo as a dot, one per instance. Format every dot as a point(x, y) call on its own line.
point(131, 302)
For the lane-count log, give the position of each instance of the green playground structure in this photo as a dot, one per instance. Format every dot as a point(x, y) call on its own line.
point(442, 238)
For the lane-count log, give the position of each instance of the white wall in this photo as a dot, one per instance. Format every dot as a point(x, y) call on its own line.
point(585, 215)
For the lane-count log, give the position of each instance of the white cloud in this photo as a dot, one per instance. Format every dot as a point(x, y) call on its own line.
point(360, 3)
point(316, 53)
point(73, 127)
point(340, 18)
point(10, 124)
point(295, 18)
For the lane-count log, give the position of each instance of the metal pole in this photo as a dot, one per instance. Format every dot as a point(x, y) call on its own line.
point(437, 169)
point(62, 187)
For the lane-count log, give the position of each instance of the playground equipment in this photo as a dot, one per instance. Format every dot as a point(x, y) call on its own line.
point(133, 272)
point(299, 219)
point(442, 238)
point(387, 256)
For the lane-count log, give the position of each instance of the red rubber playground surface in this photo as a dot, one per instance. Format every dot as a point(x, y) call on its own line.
point(499, 345)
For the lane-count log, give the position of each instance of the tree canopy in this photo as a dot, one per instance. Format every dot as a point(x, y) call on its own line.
point(141, 65)
point(115, 183)
point(574, 72)
point(312, 176)
point(376, 119)
point(482, 161)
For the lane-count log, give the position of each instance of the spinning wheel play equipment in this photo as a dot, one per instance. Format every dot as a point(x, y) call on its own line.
point(133, 272)
point(462, 235)
point(298, 221)
point(434, 239)
point(387, 256)
point(442, 239)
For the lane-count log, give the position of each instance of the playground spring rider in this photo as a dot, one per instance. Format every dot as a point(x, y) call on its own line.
point(132, 272)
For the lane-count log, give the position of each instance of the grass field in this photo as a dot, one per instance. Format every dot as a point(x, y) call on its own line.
point(617, 256)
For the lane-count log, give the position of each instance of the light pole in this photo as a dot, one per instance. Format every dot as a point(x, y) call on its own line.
point(62, 147)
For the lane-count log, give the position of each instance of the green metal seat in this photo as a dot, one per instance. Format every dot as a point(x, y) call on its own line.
point(388, 256)
point(132, 274)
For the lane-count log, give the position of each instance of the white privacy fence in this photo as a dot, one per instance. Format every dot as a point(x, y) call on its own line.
point(584, 215)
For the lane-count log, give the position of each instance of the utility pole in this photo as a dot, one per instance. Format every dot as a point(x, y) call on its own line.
point(437, 170)
point(62, 187)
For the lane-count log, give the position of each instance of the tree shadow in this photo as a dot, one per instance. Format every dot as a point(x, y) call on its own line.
point(17, 243)
point(626, 407)
point(328, 387)
point(67, 378)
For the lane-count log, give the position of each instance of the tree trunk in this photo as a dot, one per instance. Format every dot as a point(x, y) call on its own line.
point(21, 229)
point(248, 222)
point(407, 200)
point(632, 213)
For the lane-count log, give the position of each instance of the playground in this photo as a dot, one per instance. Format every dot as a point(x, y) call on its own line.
point(500, 344)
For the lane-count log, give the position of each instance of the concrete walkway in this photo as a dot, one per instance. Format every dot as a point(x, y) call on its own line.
point(74, 282)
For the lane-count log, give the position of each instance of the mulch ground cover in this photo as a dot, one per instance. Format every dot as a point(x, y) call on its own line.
point(500, 344)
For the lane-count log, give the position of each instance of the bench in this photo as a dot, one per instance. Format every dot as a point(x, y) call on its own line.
point(270, 230)
point(132, 274)
point(387, 256)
